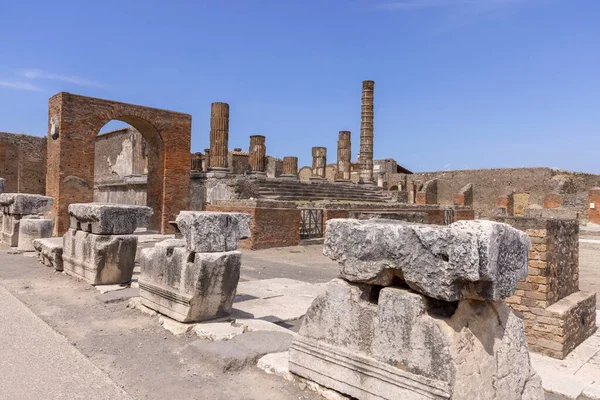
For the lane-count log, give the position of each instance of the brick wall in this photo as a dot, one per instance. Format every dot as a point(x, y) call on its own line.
point(594, 205)
point(552, 200)
point(23, 163)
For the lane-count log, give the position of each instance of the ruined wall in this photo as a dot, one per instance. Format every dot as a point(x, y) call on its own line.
point(118, 154)
point(489, 184)
point(23, 163)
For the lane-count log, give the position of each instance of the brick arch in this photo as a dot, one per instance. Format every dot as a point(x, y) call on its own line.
point(73, 123)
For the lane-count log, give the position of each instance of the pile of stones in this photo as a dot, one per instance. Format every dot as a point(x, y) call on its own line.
point(99, 246)
point(419, 313)
point(195, 279)
point(21, 219)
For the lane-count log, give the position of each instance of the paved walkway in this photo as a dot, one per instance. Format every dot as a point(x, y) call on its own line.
point(38, 363)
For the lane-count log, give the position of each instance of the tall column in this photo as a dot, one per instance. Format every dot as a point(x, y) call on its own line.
point(319, 162)
point(290, 167)
point(219, 136)
point(343, 157)
point(206, 159)
point(366, 133)
point(257, 154)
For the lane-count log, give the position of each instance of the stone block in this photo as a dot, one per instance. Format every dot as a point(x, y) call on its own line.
point(206, 231)
point(31, 229)
point(188, 286)
point(10, 229)
point(99, 259)
point(396, 344)
point(108, 219)
point(25, 204)
point(49, 252)
point(467, 259)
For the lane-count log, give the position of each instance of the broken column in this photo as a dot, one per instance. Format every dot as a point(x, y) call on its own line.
point(195, 279)
point(219, 136)
point(99, 246)
point(15, 207)
point(257, 154)
point(206, 165)
point(319, 163)
point(557, 315)
point(290, 167)
point(419, 313)
point(343, 157)
point(366, 133)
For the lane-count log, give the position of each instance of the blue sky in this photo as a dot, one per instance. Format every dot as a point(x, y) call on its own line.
point(458, 83)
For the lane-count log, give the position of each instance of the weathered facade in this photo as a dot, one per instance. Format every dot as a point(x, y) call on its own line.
point(23, 163)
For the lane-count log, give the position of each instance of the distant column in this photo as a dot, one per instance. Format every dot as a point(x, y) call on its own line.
point(257, 154)
point(343, 156)
point(366, 133)
point(219, 136)
point(319, 162)
point(206, 159)
point(290, 167)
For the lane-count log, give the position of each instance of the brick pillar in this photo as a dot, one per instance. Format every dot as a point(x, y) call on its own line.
point(258, 154)
point(343, 157)
point(219, 136)
point(206, 159)
point(594, 205)
point(366, 133)
point(290, 167)
point(319, 162)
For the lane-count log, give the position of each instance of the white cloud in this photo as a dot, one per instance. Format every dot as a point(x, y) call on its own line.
point(17, 85)
point(75, 80)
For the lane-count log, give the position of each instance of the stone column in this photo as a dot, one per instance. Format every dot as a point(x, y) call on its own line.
point(290, 167)
point(366, 133)
point(319, 163)
point(219, 136)
point(343, 157)
point(257, 154)
point(206, 159)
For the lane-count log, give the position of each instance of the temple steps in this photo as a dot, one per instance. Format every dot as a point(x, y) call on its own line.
point(276, 189)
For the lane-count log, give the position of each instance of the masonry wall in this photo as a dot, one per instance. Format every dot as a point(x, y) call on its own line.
point(489, 184)
point(23, 163)
point(119, 154)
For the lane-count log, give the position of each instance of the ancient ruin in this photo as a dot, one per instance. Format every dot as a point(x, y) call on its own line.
point(219, 136)
point(33, 228)
point(366, 133)
point(258, 154)
point(99, 246)
point(290, 167)
point(319, 163)
point(344, 157)
point(16, 207)
point(195, 278)
point(419, 313)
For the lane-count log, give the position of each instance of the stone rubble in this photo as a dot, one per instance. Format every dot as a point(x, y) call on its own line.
point(419, 313)
point(195, 279)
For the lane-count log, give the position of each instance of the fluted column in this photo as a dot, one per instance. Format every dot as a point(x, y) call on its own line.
point(257, 154)
point(219, 136)
point(366, 133)
point(290, 167)
point(319, 162)
point(343, 157)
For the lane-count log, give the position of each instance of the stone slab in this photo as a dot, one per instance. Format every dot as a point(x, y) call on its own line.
point(207, 231)
point(25, 204)
point(108, 219)
point(119, 295)
point(10, 230)
point(99, 259)
point(467, 259)
point(218, 331)
point(276, 364)
point(49, 252)
point(31, 229)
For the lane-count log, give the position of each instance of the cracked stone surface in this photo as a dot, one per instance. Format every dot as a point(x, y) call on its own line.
point(108, 219)
point(25, 204)
point(206, 231)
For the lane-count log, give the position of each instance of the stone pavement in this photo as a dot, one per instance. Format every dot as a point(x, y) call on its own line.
point(38, 363)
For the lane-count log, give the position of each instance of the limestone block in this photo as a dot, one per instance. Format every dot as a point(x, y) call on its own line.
point(108, 219)
point(206, 231)
point(31, 229)
point(2, 183)
point(49, 252)
point(188, 286)
point(99, 259)
point(467, 259)
point(402, 345)
point(10, 229)
point(25, 204)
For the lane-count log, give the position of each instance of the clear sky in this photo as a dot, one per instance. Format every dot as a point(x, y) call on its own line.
point(458, 83)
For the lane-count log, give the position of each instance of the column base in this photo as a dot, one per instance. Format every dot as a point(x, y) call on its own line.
point(289, 177)
point(317, 179)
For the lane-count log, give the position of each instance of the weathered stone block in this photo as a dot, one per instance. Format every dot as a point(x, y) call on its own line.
point(25, 204)
point(49, 252)
point(10, 229)
point(99, 259)
point(206, 231)
point(398, 344)
point(108, 219)
point(188, 286)
point(31, 229)
point(467, 259)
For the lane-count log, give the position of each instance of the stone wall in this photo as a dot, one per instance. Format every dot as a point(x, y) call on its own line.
point(489, 184)
point(23, 163)
point(119, 154)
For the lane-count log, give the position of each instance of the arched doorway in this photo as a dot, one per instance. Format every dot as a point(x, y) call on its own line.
point(73, 123)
